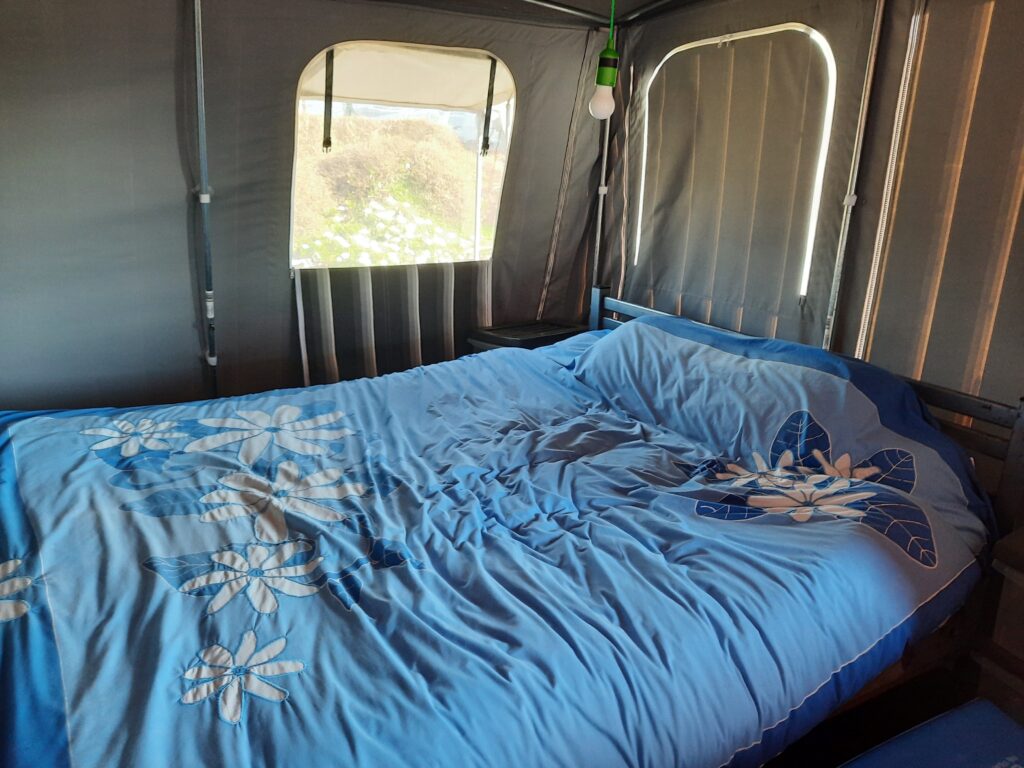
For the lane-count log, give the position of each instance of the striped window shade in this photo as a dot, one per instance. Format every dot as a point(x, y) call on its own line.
point(944, 296)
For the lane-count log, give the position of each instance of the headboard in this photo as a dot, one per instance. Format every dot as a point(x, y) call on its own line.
point(992, 433)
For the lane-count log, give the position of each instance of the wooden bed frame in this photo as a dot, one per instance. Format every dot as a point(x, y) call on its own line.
point(992, 434)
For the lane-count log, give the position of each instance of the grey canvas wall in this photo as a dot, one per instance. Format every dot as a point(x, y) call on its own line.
point(97, 298)
point(709, 284)
point(95, 285)
point(257, 51)
point(950, 270)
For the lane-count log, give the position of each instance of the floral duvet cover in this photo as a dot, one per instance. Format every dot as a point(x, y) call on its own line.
point(664, 545)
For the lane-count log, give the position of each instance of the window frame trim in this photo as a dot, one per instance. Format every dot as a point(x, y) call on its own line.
point(295, 133)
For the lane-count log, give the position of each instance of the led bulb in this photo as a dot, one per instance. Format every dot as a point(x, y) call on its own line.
point(603, 104)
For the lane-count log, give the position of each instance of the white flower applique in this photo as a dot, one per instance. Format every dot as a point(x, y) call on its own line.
point(132, 438)
point(843, 467)
point(255, 431)
point(802, 500)
point(811, 482)
point(782, 475)
point(261, 574)
point(12, 609)
point(231, 676)
point(268, 501)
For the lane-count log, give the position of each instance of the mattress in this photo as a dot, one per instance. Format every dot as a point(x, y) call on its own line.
point(662, 546)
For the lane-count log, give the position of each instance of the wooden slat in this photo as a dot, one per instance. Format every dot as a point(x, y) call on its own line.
point(974, 440)
point(1010, 553)
point(1010, 500)
point(632, 310)
point(996, 659)
point(964, 404)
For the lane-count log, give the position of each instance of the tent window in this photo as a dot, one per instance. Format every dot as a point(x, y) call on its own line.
point(400, 155)
point(736, 135)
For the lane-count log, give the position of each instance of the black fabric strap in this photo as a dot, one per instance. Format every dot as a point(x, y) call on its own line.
point(328, 98)
point(485, 145)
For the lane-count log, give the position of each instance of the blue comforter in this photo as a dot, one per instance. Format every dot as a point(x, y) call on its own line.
point(661, 546)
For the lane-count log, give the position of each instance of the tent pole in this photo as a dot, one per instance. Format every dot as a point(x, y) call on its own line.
point(300, 316)
point(478, 205)
point(570, 10)
point(899, 138)
point(851, 191)
point(602, 193)
point(651, 9)
point(203, 195)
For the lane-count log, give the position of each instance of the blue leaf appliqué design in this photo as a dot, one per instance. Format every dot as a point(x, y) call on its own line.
point(903, 523)
point(721, 511)
point(381, 554)
point(806, 484)
point(707, 468)
point(802, 435)
point(895, 469)
point(180, 570)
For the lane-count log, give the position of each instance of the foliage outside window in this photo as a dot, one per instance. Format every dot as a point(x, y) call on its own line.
point(400, 155)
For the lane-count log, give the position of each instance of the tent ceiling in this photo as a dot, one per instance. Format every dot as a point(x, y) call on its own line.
point(521, 9)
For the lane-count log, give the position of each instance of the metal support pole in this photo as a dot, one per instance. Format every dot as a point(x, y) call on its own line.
point(478, 205)
point(851, 191)
point(569, 10)
point(653, 8)
point(203, 197)
point(892, 171)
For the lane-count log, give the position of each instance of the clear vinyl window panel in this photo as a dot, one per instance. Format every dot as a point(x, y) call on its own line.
point(735, 141)
point(400, 155)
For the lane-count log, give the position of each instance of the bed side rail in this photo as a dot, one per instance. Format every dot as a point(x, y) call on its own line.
point(993, 435)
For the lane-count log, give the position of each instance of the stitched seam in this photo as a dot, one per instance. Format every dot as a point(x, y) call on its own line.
point(856, 658)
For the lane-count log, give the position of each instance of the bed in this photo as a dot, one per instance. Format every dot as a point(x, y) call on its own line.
point(660, 545)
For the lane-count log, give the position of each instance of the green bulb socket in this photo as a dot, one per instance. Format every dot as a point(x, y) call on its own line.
point(608, 67)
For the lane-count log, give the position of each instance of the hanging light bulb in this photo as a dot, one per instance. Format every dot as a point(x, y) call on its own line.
point(602, 105)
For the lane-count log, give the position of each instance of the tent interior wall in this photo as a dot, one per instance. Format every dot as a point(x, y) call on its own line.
point(100, 305)
point(846, 174)
point(735, 239)
point(101, 302)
